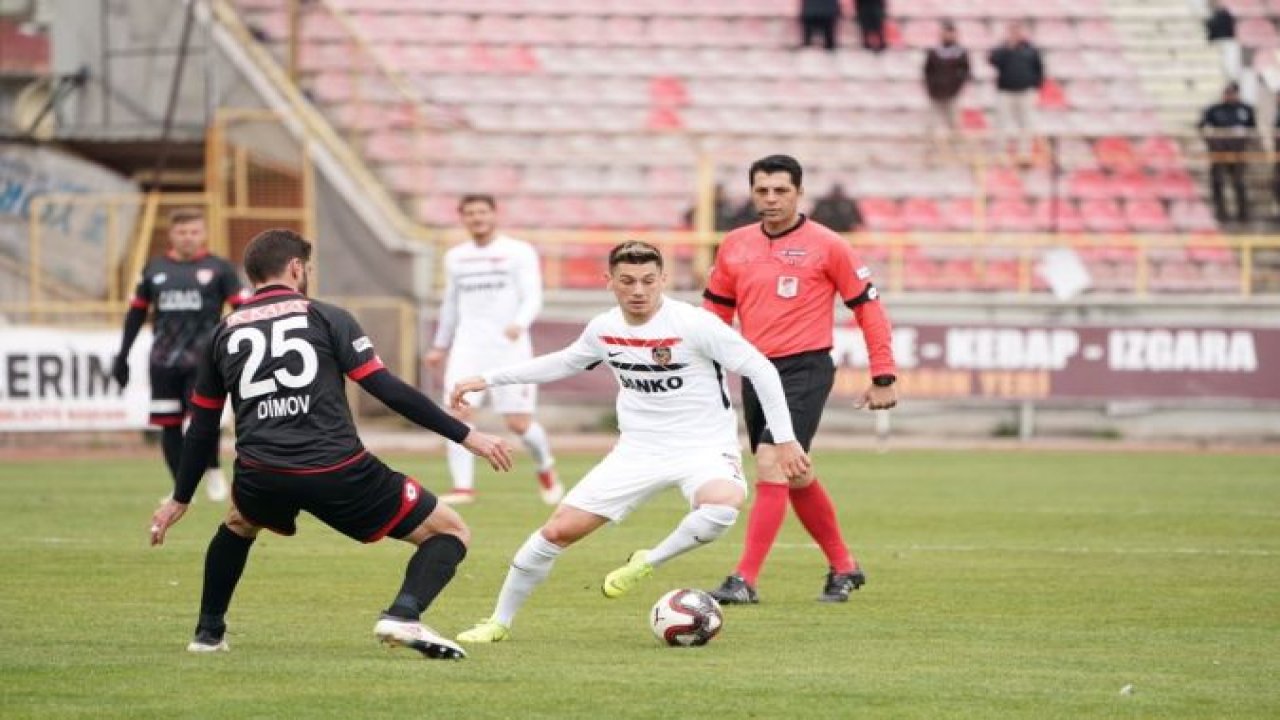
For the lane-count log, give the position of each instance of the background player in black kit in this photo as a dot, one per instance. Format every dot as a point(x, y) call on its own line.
point(188, 288)
point(281, 357)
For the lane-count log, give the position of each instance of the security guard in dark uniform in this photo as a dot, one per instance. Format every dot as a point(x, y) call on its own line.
point(1228, 129)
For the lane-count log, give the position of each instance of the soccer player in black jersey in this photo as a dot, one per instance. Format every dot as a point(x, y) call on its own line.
point(188, 288)
point(281, 358)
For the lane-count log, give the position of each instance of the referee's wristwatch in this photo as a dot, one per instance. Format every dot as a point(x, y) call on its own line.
point(884, 380)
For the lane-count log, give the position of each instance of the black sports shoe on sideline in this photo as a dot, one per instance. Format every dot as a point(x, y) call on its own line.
point(735, 591)
point(839, 585)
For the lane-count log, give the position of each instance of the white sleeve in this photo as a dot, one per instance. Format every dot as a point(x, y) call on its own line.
point(724, 345)
point(529, 285)
point(583, 354)
point(447, 320)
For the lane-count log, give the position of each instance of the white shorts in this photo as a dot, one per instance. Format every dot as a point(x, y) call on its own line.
point(626, 477)
point(466, 361)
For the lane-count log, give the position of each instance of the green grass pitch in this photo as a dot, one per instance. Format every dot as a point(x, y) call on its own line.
point(1001, 584)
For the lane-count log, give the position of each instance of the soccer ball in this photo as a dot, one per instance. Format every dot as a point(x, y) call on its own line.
point(684, 617)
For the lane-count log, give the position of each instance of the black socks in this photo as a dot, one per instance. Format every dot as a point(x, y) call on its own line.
point(429, 570)
point(223, 564)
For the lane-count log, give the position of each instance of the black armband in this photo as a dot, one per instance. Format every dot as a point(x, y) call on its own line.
point(719, 299)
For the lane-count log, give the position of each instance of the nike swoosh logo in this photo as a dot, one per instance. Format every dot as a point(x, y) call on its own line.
point(700, 541)
point(614, 354)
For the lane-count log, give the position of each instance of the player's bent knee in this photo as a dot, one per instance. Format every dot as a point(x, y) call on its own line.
point(568, 525)
point(519, 424)
point(443, 520)
point(720, 492)
point(237, 524)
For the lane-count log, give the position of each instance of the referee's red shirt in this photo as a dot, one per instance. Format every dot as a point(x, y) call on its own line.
point(781, 288)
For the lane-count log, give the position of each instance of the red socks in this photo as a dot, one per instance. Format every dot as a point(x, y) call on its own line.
point(813, 507)
point(767, 513)
point(817, 514)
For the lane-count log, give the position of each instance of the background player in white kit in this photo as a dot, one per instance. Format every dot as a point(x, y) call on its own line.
point(677, 424)
point(493, 293)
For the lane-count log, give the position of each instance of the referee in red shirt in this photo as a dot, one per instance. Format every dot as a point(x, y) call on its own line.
point(779, 277)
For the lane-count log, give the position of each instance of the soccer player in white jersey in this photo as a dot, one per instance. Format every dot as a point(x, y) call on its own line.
point(677, 428)
point(493, 292)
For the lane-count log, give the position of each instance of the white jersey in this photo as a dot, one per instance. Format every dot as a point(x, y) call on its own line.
point(488, 289)
point(672, 390)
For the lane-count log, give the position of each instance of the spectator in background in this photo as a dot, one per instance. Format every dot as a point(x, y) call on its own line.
point(1228, 129)
point(837, 211)
point(946, 71)
point(1019, 75)
point(1221, 30)
point(819, 16)
point(724, 213)
point(745, 214)
point(871, 15)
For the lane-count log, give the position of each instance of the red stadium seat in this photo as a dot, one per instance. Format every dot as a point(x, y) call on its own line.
point(1147, 216)
point(882, 214)
point(922, 214)
point(1059, 215)
point(1103, 215)
point(1012, 215)
point(1090, 184)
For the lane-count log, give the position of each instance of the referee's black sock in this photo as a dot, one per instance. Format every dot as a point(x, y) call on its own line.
point(171, 444)
point(223, 564)
point(429, 570)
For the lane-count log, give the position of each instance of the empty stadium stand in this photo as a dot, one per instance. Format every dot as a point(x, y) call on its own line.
point(595, 114)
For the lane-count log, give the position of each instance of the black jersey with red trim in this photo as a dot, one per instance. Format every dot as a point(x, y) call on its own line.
point(281, 357)
point(187, 296)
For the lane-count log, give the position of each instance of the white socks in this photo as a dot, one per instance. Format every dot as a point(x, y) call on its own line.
point(699, 527)
point(462, 466)
point(529, 568)
point(535, 440)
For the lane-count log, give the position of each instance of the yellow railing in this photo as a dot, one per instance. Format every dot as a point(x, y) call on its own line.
point(574, 259)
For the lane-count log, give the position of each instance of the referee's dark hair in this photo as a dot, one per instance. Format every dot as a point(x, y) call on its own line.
point(774, 164)
point(485, 198)
point(634, 252)
point(270, 251)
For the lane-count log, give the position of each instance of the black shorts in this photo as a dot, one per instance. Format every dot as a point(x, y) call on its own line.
point(171, 394)
point(807, 379)
point(364, 500)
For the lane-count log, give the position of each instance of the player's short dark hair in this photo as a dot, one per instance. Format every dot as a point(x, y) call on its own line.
point(178, 216)
point(270, 251)
point(485, 198)
point(634, 252)
point(775, 164)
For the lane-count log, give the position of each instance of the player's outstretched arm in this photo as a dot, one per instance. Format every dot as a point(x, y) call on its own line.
point(458, 398)
point(413, 405)
point(491, 448)
point(197, 447)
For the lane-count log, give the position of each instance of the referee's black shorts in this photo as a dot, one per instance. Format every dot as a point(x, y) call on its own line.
point(807, 379)
point(364, 499)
